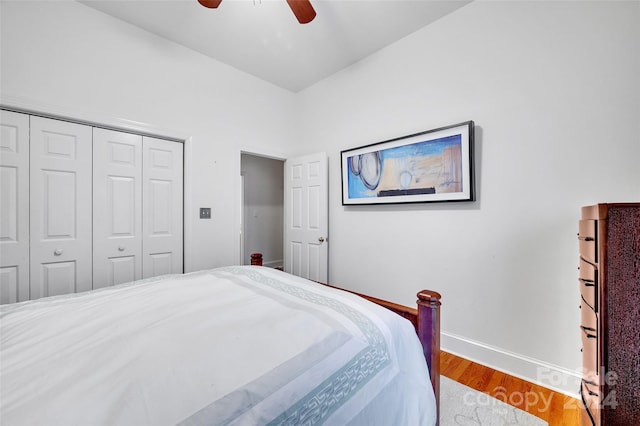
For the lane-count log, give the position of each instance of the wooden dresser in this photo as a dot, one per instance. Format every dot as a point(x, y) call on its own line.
point(609, 277)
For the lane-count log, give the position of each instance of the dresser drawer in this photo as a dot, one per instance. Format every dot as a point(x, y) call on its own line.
point(587, 239)
point(589, 339)
point(590, 357)
point(587, 269)
point(588, 316)
point(591, 404)
point(588, 279)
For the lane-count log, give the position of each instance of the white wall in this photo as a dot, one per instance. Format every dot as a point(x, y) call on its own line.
point(554, 90)
point(67, 58)
point(264, 208)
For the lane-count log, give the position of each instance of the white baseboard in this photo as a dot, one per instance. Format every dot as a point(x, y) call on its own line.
point(273, 263)
point(550, 376)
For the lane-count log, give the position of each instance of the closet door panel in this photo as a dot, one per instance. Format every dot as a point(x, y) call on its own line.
point(58, 278)
point(162, 206)
point(117, 207)
point(60, 207)
point(14, 207)
point(161, 264)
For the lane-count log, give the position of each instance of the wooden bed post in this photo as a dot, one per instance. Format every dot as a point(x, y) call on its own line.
point(256, 259)
point(429, 335)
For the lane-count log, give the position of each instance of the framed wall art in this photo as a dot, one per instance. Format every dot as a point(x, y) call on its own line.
point(431, 166)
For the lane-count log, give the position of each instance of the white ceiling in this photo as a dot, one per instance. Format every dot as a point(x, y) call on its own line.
point(263, 38)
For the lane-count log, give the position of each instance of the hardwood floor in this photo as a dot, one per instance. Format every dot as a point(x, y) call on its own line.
point(555, 408)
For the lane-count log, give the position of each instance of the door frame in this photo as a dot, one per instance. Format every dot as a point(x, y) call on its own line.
point(239, 222)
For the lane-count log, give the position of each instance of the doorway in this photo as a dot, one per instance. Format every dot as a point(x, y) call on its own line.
point(262, 209)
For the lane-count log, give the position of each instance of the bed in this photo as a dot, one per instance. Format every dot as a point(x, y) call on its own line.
point(242, 345)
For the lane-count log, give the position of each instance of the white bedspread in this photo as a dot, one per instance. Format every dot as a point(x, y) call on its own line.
point(236, 345)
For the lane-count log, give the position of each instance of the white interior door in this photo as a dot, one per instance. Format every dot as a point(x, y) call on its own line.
point(117, 207)
point(14, 207)
point(306, 200)
point(60, 207)
point(162, 207)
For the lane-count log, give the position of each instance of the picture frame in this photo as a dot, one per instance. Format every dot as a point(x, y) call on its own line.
point(432, 166)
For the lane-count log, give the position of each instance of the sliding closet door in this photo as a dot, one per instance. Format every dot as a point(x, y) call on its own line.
point(14, 207)
point(60, 207)
point(117, 207)
point(162, 207)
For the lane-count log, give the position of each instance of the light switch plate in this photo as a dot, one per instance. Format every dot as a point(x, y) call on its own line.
point(205, 212)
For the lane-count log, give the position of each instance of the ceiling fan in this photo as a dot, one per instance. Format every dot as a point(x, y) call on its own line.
point(301, 8)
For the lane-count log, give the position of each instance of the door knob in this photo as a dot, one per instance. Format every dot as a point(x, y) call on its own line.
point(121, 248)
point(57, 252)
point(321, 239)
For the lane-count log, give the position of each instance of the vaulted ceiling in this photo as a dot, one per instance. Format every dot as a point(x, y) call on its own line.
point(263, 37)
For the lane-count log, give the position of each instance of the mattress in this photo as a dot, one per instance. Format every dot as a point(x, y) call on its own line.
point(241, 345)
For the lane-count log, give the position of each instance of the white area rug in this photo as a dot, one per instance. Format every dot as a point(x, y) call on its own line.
point(462, 406)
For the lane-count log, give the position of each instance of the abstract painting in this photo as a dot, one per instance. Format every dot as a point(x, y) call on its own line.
point(431, 166)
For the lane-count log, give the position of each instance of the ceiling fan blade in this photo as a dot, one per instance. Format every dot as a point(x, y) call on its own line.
point(302, 9)
point(211, 4)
